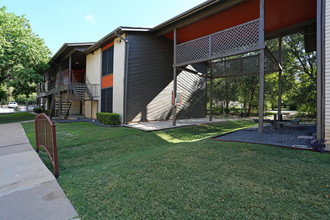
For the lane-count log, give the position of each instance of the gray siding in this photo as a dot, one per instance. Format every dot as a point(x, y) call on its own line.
point(150, 81)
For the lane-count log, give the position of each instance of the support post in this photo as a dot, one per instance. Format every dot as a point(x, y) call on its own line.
point(211, 90)
point(262, 66)
point(320, 70)
point(69, 84)
point(59, 93)
point(279, 107)
point(174, 80)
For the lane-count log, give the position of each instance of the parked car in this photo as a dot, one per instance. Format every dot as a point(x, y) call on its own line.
point(12, 104)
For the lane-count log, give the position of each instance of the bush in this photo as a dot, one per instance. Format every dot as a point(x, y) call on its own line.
point(37, 110)
point(47, 112)
point(108, 118)
point(217, 110)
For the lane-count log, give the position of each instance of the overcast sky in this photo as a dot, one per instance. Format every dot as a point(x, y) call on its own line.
point(71, 21)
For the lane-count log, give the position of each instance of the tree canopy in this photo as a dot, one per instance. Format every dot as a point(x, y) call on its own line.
point(23, 54)
point(298, 81)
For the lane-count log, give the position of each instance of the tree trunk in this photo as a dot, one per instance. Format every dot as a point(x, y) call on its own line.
point(27, 102)
point(227, 106)
point(227, 97)
point(250, 102)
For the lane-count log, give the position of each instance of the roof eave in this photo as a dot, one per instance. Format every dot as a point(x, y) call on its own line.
point(66, 45)
point(199, 12)
point(112, 35)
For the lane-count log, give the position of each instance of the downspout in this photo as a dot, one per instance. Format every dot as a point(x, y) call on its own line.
point(125, 77)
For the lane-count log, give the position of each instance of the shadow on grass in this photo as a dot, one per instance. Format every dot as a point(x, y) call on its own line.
point(200, 132)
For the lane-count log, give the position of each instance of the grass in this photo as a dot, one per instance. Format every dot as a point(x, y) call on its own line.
point(16, 117)
point(182, 174)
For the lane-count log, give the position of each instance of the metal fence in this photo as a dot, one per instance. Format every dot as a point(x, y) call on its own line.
point(46, 138)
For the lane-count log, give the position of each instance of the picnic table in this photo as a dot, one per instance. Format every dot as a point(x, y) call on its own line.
point(280, 116)
point(280, 121)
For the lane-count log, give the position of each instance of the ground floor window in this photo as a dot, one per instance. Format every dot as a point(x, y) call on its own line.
point(106, 99)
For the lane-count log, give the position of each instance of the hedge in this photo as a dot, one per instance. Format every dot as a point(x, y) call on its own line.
point(108, 118)
point(41, 110)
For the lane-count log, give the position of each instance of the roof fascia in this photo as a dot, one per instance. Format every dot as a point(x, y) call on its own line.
point(195, 14)
point(112, 35)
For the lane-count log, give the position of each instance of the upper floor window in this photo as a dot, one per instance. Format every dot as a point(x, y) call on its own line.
point(107, 61)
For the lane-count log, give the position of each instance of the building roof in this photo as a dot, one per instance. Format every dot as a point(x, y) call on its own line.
point(112, 35)
point(198, 12)
point(67, 48)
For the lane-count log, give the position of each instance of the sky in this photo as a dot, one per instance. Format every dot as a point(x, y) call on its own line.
point(72, 21)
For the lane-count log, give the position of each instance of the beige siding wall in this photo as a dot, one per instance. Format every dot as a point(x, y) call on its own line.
point(91, 107)
point(118, 76)
point(75, 107)
point(327, 73)
point(93, 74)
point(93, 66)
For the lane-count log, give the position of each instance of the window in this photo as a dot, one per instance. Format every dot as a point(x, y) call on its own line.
point(106, 100)
point(107, 61)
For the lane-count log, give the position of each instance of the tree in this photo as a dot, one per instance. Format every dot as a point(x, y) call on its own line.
point(224, 92)
point(302, 66)
point(23, 55)
point(247, 91)
point(3, 95)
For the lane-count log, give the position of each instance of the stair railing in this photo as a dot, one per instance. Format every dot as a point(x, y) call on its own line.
point(93, 88)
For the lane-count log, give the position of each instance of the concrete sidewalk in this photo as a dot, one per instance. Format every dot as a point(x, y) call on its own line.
point(28, 190)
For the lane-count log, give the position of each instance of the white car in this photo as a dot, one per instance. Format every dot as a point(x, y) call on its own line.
point(12, 105)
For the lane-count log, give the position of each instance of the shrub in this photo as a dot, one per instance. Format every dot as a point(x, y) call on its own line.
point(108, 118)
point(37, 110)
point(217, 110)
point(47, 112)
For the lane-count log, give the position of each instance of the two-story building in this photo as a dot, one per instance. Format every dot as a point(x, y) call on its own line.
point(161, 73)
point(66, 90)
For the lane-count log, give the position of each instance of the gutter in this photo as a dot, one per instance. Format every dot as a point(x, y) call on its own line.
point(113, 34)
point(125, 76)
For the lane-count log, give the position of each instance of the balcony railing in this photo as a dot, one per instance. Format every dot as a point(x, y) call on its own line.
point(236, 40)
point(51, 84)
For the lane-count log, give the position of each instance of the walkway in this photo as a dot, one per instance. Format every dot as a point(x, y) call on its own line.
point(28, 190)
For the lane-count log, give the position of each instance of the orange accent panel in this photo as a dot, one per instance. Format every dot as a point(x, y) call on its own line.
point(278, 14)
point(107, 46)
point(107, 81)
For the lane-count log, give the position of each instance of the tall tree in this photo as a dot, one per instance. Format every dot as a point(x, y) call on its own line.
point(23, 54)
point(302, 66)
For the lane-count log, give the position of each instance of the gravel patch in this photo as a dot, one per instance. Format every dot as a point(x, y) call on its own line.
point(286, 136)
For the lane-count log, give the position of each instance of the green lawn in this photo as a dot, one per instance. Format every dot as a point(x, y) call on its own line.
point(182, 174)
point(16, 117)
